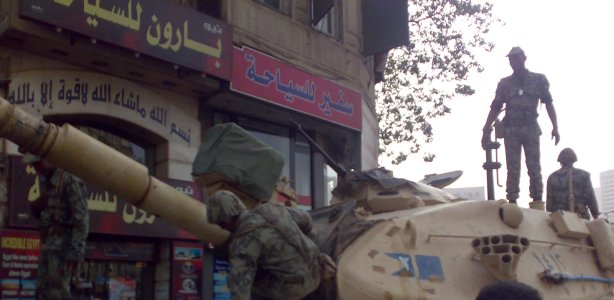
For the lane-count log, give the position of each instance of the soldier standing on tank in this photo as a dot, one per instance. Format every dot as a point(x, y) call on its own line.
point(570, 188)
point(64, 223)
point(521, 93)
point(270, 255)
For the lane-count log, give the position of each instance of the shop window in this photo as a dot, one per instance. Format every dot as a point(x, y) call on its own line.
point(280, 143)
point(115, 280)
point(294, 148)
point(282, 6)
point(302, 173)
point(330, 182)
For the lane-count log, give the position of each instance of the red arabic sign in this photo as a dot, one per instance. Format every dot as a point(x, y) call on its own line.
point(154, 27)
point(108, 214)
point(267, 78)
point(20, 255)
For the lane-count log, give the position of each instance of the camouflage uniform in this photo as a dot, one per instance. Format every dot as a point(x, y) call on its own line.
point(64, 228)
point(269, 254)
point(558, 192)
point(521, 130)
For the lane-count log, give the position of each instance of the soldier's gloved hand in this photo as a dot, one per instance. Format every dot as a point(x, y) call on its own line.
point(486, 138)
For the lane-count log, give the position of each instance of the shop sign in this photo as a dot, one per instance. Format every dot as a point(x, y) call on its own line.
point(75, 92)
point(158, 28)
point(20, 255)
point(187, 271)
point(108, 213)
point(269, 79)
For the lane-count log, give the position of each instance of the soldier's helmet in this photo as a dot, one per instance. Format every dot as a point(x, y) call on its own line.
point(567, 156)
point(515, 51)
point(224, 205)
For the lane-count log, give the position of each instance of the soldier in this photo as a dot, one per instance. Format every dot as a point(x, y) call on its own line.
point(269, 253)
point(570, 188)
point(64, 221)
point(521, 93)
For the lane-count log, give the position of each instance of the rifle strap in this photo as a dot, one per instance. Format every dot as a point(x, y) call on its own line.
point(572, 198)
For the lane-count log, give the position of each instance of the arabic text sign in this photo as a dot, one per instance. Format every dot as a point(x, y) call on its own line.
point(58, 91)
point(264, 77)
point(154, 27)
point(108, 214)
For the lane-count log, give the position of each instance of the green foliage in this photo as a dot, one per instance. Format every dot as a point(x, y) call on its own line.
point(420, 78)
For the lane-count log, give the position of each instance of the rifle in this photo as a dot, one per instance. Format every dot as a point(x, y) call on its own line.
point(339, 169)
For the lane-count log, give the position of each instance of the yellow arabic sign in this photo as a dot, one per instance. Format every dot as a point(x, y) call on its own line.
point(108, 213)
point(169, 32)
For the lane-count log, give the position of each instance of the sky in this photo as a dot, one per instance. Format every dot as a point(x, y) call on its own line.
point(571, 43)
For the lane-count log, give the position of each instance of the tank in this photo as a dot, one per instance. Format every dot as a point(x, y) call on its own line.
point(391, 238)
point(411, 241)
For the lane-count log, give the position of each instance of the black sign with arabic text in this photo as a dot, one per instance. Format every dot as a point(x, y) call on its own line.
point(158, 28)
point(108, 214)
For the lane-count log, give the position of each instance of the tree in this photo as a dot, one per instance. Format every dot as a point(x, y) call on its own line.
point(422, 77)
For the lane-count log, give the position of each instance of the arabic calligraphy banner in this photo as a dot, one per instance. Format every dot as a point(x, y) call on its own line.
point(108, 214)
point(269, 79)
point(154, 27)
point(55, 91)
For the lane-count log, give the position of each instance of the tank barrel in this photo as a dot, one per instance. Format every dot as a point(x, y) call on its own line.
point(91, 160)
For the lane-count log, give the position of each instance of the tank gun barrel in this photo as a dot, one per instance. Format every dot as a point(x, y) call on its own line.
point(339, 169)
point(76, 152)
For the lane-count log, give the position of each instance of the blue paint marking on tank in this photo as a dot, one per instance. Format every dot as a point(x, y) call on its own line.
point(429, 267)
point(408, 267)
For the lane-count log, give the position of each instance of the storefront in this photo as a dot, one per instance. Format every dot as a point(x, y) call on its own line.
point(268, 96)
point(131, 74)
point(129, 252)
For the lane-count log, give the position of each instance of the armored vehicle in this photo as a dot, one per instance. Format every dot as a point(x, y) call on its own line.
point(391, 238)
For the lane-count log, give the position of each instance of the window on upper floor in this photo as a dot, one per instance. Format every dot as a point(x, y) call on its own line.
point(326, 16)
point(282, 6)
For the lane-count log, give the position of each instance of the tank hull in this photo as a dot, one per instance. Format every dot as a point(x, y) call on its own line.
point(434, 253)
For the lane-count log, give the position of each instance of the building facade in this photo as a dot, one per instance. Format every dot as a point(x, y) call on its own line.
point(148, 78)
